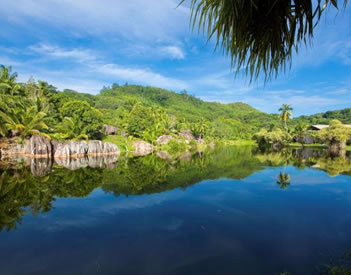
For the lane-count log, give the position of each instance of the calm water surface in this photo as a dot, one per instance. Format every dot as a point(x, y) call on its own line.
point(231, 211)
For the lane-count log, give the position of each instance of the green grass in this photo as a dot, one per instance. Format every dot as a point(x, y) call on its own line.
point(348, 148)
point(314, 145)
point(122, 142)
point(240, 142)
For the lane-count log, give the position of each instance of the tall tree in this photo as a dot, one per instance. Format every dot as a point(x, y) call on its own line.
point(259, 36)
point(285, 114)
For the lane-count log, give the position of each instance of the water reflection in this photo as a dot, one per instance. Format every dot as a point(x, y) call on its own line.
point(31, 185)
point(283, 180)
point(132, 214)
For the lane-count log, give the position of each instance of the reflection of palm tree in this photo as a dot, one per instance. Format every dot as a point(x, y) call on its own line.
point(283, 180)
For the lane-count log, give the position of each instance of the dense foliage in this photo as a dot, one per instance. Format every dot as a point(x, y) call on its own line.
point(336, 132)
point(140, 112)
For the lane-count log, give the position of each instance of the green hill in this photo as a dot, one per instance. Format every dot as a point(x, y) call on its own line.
point(182, 105)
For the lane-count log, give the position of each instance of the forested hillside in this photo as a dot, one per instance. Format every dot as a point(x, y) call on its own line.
point(182, 105)
point(343, 115)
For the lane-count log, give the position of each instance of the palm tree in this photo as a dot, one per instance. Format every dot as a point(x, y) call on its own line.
point(285, 114)
point(200, 128)
point(8, 83)
point(71, 128)
point(259, 36)
point(27, 121)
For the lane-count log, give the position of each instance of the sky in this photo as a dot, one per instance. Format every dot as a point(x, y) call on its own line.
point(87, 44)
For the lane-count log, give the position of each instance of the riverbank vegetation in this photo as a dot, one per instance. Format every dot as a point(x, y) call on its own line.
point(145, 114)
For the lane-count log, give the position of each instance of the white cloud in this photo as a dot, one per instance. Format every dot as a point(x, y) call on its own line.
point(81, 55)
point(173, 52)
point(147, 20)
point(143, 76)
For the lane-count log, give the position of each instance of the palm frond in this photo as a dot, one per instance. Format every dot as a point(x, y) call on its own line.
point(258, 36)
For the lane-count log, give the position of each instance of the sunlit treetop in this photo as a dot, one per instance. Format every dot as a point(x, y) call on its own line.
point(259, 36)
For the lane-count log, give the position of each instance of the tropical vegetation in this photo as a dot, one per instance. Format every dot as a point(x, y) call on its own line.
point(143, 113)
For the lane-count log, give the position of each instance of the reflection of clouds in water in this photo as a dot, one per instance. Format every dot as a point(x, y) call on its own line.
point(138, 202)
point(322, 178)
point(90, 211)
point(76, 222)
point(174, 225)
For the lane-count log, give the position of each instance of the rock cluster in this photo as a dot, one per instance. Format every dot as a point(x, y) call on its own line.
point(41, 147)
point(78, 149)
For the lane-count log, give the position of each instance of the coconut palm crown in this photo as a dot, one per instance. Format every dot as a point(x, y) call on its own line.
point(285, 114)
point(259, 36)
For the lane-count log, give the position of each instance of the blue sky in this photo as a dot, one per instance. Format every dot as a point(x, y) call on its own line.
point(86, 44)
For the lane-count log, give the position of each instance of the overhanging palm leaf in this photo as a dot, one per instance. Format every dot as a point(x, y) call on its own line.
point(259, 36)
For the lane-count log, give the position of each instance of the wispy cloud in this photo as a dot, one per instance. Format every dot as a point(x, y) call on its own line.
point(173, 52)
point(146, 20)
point(144, 76)
point(81, 55)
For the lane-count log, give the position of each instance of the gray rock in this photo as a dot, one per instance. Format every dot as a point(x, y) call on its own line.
point(110, 130)
point(110, 149)
point(78, 148)
point(38, 147)
point(142, 148)
point(187, 135)
point(62, 150)
point(164, 139)
point(164, 155)
point(308, 139)
point(95, 147)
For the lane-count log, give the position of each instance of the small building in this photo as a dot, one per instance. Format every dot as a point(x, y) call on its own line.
point(319, 127)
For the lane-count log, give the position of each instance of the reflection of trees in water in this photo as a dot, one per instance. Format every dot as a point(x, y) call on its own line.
point(29, 188)
point(22, 192)
point(151, 174)
point(341, 266)
point(19, 190)
point(303, 158)
point(283, 180)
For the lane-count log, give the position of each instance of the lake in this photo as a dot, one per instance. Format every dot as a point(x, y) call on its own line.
point(235, 210)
